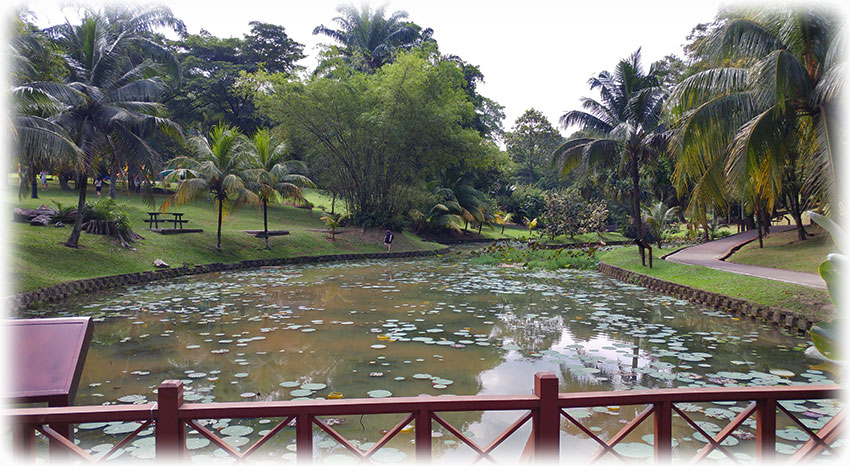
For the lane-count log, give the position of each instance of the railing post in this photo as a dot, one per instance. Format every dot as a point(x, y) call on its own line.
point(304, 439)
point(57, 451)
point(547, 423)
point(766, 431)
point(170, 433)
point(663, 430)
point(24, 441)
point(422, 429)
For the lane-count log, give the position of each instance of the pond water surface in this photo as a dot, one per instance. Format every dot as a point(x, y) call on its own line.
point(438, 326)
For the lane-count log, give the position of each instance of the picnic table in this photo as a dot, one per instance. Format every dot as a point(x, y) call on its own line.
point(177, 219)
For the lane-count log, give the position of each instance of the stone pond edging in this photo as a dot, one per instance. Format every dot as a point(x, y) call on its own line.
point(770, 314)
point(66, 290)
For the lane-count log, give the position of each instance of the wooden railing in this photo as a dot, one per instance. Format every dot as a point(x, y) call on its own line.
point(546, 411)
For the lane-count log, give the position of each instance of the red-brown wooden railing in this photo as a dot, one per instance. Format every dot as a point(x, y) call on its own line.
point(546, 412)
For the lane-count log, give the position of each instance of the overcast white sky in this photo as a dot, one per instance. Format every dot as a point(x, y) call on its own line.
point(536, 53)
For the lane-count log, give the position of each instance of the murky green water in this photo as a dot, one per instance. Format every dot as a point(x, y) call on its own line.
point(428, 326)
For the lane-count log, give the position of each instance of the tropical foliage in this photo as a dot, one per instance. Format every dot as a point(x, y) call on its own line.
point(269, 175)
point(217, 167)
point(758, 123)
point(625, 126)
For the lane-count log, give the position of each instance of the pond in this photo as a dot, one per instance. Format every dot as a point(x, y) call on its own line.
point(436, 326)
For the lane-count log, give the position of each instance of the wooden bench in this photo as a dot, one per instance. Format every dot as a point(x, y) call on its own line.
point(153, 221)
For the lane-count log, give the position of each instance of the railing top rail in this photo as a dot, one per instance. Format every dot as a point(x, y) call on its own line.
point(78, 414)
point(683, 395)
point(359, 406)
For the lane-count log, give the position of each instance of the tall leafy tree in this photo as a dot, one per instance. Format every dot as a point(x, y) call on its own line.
point(269, 174)
point(772, 73)
point(217, 166)
point(531, 144)
point(212, 67)
point(367, 38)
point(626, 124)
point(269, 46)
point(109, 100)
point(380, 134)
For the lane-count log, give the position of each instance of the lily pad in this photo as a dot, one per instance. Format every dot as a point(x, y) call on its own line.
point(314, 386)
point(635, 450)
point(237, 431)
point(379, 393)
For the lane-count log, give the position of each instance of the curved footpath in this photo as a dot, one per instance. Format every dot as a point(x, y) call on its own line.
point(710, 254)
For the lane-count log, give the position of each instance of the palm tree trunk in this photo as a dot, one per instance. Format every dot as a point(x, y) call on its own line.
point(333, 203)
point(81, 210)
point(503, 229)
point(113, 169)
point(266, 225)
point(218, 236)
point(63, 181)
point(636, 196)
point(33, 183)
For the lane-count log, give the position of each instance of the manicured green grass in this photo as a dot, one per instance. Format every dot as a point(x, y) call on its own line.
point(812, 303)
point(324, 202)
point(784, 251)
point(40, 259)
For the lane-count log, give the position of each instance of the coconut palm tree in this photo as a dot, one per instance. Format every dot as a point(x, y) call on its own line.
point(217, 167)
point(333, 222)
point(503, 218)
point(369, 39)
point(627, 124)
point(657, 217)
point(776, 76)
point(269, 175)
point(109, 100)
point(39, 143)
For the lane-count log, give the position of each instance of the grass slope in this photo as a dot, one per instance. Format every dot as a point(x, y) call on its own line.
point(814, 304)
point(38, 257)
point(784, 251)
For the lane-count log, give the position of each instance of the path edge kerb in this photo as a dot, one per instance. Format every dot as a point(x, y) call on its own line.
point(61, 291)
point(737, 306)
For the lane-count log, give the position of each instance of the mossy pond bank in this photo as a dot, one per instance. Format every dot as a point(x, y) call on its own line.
point(436, 326)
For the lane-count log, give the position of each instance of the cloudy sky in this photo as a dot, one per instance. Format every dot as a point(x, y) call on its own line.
point(536, 53)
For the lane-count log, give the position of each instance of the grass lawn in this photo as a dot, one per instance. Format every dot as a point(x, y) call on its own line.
point(784, 251)
point(812, 303)
point(39, 259)
point(519, 232)
point(322, 201)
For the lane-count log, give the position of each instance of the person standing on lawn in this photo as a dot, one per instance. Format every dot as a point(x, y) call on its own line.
point(388, 240)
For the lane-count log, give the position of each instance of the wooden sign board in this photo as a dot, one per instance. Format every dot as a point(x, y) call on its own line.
point(47, 359)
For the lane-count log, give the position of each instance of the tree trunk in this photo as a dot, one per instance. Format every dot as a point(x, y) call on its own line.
point(266, 225)
point(33, 183)
point(333, 203)
point(218, 236)
point(63, 181)
point(638, 225)
point(113, 169)
point(801, 232)
point(81, 211)
point(503, 229)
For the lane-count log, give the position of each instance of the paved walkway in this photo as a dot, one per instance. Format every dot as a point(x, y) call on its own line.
point(709, 254)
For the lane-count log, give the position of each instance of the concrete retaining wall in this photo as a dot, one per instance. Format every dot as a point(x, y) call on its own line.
point(65, 290)
point(741, 307)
